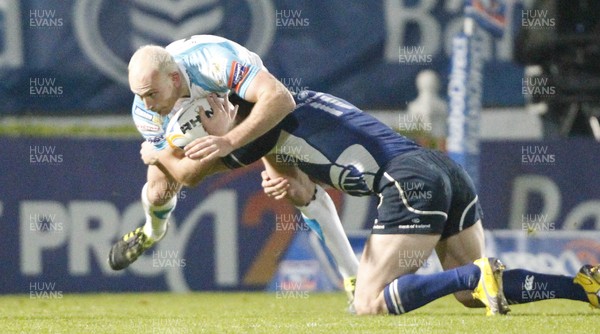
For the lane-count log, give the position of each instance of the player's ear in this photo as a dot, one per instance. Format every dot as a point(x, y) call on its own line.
point(176, 78)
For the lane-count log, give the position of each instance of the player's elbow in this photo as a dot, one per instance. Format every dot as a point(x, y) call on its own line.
point(279, 98)
point(286, 101)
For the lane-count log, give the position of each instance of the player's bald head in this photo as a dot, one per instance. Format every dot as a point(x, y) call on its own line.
point(148, 60)
point(155, 77)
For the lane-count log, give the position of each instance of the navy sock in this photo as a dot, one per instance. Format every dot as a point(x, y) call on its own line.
point(410, 292)
point(522, 286)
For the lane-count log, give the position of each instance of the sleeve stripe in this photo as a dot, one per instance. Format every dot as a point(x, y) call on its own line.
point(243, 86)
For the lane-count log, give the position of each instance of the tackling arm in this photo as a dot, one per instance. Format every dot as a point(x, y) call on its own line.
point(174, 163)
point(272, 103)
point(286, 181)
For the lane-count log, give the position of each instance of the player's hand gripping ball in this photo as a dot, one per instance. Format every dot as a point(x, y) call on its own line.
point(186, 124)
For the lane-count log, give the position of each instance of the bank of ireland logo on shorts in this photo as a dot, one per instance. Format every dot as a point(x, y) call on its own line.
point(141, 22)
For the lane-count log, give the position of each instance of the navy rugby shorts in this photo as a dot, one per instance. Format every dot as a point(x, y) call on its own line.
point(425, 192)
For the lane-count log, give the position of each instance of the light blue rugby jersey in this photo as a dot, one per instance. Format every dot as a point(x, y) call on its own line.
point(330, 140)
point(210, 64)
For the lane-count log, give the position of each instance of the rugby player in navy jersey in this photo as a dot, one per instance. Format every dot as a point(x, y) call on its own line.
point(338, 145)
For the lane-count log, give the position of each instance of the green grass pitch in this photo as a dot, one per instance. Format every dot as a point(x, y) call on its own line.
point(259, 312)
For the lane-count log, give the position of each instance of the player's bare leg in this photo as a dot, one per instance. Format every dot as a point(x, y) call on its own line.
point(387, 283)
point(319, 213)
point(159, 200)
point(159, 197)
point(461, 249)
point(464, 248)
point(381, 263)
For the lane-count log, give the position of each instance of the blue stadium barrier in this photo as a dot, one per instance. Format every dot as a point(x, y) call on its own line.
point(65, 201)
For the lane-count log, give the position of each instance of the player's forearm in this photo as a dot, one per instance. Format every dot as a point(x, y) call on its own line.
point(168, 163)
point(186, 171)
point(272, 107)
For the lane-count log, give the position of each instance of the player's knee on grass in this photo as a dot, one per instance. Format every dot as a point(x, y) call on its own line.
point(368, 299)
point(365, 306)
point(466, 298)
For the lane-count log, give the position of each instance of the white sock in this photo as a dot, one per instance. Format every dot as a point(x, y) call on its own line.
point(157, 216)
point(324, 215)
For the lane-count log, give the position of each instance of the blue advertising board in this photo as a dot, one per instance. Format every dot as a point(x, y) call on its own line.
point(71, 56)
point(541, 185)
point(63, 202)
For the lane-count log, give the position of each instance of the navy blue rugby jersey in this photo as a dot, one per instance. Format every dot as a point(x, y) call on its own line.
point(330, 140)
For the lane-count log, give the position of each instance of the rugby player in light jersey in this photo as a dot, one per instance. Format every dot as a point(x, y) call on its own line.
point(164, 78)
point(337, 144)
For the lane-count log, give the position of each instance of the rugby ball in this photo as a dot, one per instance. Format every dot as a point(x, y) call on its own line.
point(186, 124)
